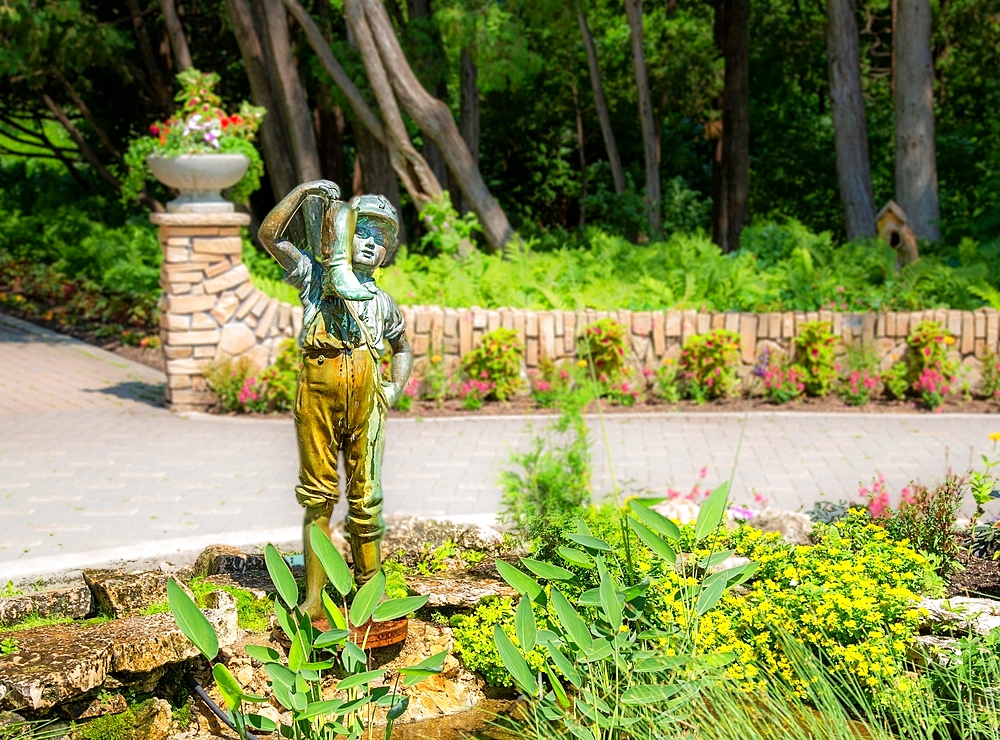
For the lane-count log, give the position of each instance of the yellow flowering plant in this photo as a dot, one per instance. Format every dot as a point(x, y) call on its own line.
point(851, 597)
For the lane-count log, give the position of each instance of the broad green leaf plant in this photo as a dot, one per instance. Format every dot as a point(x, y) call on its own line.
point(608, 673)
point(297, 681)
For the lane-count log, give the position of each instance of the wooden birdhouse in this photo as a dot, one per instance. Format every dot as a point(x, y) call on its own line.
point(894, 230)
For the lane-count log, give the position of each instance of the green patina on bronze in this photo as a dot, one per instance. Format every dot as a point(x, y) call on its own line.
point(348, 325)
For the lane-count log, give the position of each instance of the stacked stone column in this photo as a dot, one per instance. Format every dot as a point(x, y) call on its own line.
point(210, 308)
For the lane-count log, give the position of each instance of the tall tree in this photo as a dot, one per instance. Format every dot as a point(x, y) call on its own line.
point(287, 88)
point(273, 139)
point(429, 60)
point(913, 85)
point(601, 103)
point(736, 121)
point(175, 32)
point(435, 121)
point(469, 108)
point(633, 9)
point(849, 129)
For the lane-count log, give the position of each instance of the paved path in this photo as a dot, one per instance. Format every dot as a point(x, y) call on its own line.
point(92, 470)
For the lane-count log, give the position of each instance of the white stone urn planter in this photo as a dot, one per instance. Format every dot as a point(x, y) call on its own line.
point(199, 178)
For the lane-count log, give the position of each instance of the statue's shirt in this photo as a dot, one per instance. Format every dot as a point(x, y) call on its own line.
point(326, 322)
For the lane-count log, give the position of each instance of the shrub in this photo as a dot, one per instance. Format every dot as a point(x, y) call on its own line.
point(709, 362)
point(926, 370)
point(783, 384)
point(497, 360)
point(602, 346)
point(990, 388)
point(815, 346)
point(405, 401)
point(858, 386)
point(549, 485)
point(926, 520)
point(667, 382)
point(435, 384)
point(229, 379)
point(549, 382)
point(474, 392)
point(276, 385)
point(895, 379)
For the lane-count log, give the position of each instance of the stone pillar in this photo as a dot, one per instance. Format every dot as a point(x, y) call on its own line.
point(209, 308)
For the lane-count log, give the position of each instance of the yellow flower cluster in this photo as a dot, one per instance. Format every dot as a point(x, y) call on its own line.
point(850, 596)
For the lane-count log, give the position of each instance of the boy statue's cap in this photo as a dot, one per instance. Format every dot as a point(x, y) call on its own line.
point(376, 206)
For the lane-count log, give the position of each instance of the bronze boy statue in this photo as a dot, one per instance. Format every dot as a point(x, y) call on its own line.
point(341, 400)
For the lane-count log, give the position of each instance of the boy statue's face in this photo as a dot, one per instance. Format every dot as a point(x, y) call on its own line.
point(370, 239)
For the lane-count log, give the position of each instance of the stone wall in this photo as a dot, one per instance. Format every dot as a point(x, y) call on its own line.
point(656, 335)
point(209, 308)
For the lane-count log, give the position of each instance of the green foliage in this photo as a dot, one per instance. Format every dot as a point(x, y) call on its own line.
point(781, 266)
point(121, 726)
point(242, 387)
point(550, 483)
point(199, 127)
point(783, 383)
point(9, 645)
point(667, 381)
point(602, 346)
point(297, 680)
point(473, 635)
point(446, 230)
point(896, 381)
point(252, 614)
point(708, 364)
point(815, 346)
point(990, 388)
point(9, 591)
point(497, 360)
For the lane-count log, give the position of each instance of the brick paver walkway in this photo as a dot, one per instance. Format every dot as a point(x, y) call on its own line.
point(92, 470)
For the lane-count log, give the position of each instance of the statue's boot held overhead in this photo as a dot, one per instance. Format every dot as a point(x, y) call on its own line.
point(339, 223)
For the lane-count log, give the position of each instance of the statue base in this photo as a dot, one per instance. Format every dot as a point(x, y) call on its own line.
point(378, 634)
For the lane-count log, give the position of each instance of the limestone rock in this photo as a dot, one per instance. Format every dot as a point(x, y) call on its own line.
point(236, 339)
point(934, 649)
point(960, 614)
point(463, 591)
point(95, 707)
point(54, 665)
point(74, 602)
point(452, 691)
point(795, 527)
point(216, 559)
point(119, 594)
point(153, 720)
point(408, 535)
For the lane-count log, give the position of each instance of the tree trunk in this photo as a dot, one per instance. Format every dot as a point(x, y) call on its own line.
point(420, 12)
point(330, 127)
point(277, 156)
point(417, 176)
point(469, 105)
point(848, 108)
point(436, 121)
point(286, 87)
point(736, 120)
point(368, 117)
point(633, 9)
point(601, 104)
point(178, 42)
point(580, 142)
point(162, 95)
point(377, 174)
point(720, 223)
point(916, 169)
